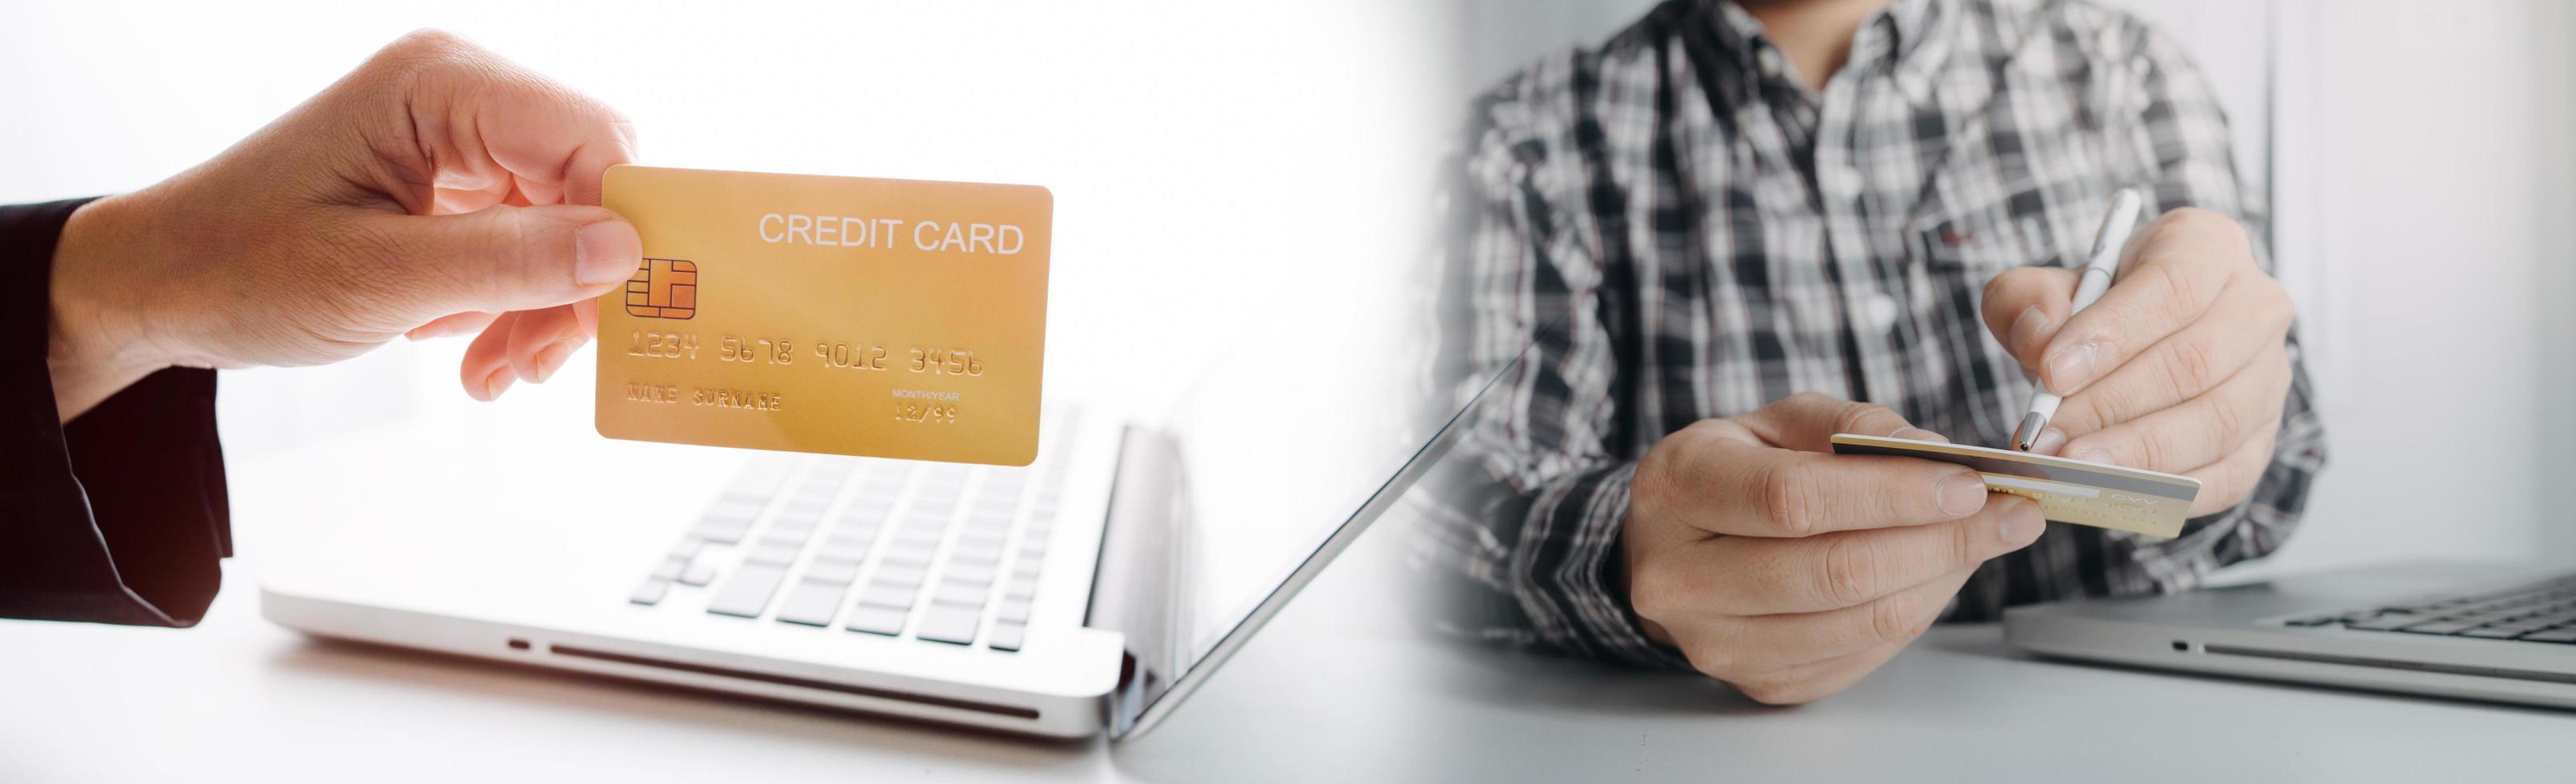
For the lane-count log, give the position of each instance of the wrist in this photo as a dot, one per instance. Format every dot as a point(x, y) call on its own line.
point(98, 336)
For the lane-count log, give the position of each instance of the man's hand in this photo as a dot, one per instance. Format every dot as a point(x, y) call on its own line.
point(437, 189)
point(2180, 367)
point(1790, 572)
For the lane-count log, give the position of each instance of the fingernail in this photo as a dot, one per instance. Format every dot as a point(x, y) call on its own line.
point(550, 359)
point(498, 382)
point(607, 251)
point(2070, 367)
point(2021, 525)
point(1961, 495)
point(2049, 441)
point(1919, 434)
point(2026, 329)
point(2092, 455)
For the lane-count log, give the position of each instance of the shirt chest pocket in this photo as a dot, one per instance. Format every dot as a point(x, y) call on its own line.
point(1970, 242)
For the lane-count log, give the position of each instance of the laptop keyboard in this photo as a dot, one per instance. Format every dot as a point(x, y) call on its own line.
point(940, 552)
point(2539, 612)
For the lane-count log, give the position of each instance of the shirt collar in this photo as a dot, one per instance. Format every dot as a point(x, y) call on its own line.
point(1910, 39)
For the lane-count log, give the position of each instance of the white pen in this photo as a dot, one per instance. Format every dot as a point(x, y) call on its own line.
point(2116, 227)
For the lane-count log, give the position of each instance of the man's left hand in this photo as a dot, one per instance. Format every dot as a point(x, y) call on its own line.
point(2180, 367)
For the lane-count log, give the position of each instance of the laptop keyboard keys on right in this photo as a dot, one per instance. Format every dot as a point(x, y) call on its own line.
point(650, 592)
point(811, 604)
point(949, 624)
point(877, 620)
point(1006, 636)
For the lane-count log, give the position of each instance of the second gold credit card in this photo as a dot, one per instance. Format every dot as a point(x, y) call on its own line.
point(846, 315)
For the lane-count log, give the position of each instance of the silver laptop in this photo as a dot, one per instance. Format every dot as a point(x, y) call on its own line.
point(1090, 591)
point(2475, 631)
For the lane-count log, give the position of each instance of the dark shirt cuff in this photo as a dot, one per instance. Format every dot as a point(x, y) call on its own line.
point(120, 515)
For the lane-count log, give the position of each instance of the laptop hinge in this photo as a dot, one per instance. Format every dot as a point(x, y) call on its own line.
point(1133, 589)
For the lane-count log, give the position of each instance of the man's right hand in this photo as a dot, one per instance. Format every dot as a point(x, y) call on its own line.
point(1790, 572)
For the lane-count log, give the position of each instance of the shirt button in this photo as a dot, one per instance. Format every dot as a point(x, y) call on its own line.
point(1880, 312)
point(1769, 59)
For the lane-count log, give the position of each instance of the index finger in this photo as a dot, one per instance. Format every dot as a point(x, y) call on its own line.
point(1846, 569)
point(2169, 277)
point(487, 124)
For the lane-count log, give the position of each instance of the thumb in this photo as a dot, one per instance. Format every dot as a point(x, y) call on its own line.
point(505, 258)
point(1807, 421)
point(2025, 306)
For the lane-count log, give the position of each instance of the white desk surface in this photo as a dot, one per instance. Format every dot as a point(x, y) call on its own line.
point(1340, 688)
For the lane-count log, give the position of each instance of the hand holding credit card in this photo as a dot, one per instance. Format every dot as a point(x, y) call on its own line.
point(2068, 491)
point(847, 315)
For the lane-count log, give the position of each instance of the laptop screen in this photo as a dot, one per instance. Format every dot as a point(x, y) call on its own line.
point(1311, 425)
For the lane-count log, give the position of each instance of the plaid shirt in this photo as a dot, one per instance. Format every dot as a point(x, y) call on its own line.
point(1679, 230)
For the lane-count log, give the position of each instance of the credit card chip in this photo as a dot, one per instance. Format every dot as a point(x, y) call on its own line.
point(663, 288)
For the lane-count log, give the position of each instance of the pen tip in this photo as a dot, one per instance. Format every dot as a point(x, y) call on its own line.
point(2027, 435)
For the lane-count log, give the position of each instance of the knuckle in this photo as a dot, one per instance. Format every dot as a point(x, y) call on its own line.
point(1774, 690)
point(1788, 497)
point(1891, 620)
point(1862, 417)
point(1714, 660)
point(1849, 569)
point(1652, 594)
point(2184, 293)
point(2097, 407)
point(1649, 486)
point(2192, 363)
point(429, 40)
point(1965, 540)
point(2201, 220)
point(2152, 447)
point(2227, 422)
point(2277, 304)
point(425, 48)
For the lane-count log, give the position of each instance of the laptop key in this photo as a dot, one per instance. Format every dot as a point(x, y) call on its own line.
point(721, 533)
point(748, 592)
point(650, 592)
point(670, 568)
point(1014, 612)
point(810, 604)
point(2444, 626)
point(1007, 636)
point(960, 595)
point(876, 620)
point(970, 573)
point(2562, 636)
point(906, 575)
point(888, 596)
point(948, 624)
point(2495, 632)
point(699, 574)
point(908, 557)
point(772, 555)
point(2383, 623)
point(838, 574)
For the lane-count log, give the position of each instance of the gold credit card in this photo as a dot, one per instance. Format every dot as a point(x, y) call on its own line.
point(2068, 491)
point(848, 315)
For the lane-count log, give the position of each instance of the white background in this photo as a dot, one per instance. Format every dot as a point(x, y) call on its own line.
point(2425, 195)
